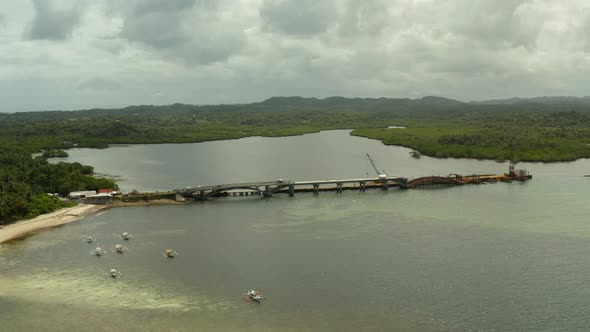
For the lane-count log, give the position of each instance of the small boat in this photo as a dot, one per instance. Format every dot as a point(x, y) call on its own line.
point(169, 253)
point(89, 239)
point(126, 236)
point(253, 296)
point(98, 251)
point(113, 273)
point(119, 248)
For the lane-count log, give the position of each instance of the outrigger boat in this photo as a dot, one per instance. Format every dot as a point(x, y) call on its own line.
point(113, 273)
point(253, 296)
point(169, 253)
point(98, 251)
point(126, 236)
point(90, 239)
point(119, 248)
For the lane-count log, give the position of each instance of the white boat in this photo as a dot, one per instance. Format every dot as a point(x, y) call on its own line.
point(98, 251)
point(253, 296)
point(126, 236)
point(113, 273)
point(89, 239)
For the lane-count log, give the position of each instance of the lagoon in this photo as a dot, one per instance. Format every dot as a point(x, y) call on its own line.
point(496, 257)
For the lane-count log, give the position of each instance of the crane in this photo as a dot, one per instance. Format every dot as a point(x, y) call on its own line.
point(382, 174)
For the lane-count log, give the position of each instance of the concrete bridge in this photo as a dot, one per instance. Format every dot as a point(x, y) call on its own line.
point(268, 188)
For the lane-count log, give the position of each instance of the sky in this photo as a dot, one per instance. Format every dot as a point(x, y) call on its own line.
point(69, 54)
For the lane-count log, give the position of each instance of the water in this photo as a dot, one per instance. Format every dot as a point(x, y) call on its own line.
point(496, 257)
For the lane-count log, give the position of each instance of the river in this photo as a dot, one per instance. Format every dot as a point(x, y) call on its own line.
point(496, 257)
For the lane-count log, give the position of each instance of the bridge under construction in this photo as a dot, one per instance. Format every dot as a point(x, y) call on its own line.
point(383, 182)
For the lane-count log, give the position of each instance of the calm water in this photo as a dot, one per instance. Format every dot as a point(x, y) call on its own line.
point(497, 257)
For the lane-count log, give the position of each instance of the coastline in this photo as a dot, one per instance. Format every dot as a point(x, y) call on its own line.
point(24, 228)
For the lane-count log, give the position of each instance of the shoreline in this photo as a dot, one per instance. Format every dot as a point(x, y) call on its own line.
point(23, 228)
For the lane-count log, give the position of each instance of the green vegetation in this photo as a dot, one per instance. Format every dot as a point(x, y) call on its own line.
point(527, 131)
point(520, 130)
point(521, 136)
point(54, 154)
point(138, 197)
point(26, 183)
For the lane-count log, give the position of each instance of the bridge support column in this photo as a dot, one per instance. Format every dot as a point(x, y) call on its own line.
point(316, 188)
point(403, 183)
point(362, 186)
point(267, 191)
point(291, 190)
point(339, 187)
point(384, 185)
point(202, 195)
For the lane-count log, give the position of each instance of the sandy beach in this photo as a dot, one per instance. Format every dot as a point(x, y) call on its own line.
point(67, 215)
point(60, 217)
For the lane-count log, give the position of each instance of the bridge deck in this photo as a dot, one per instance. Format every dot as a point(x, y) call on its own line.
point(269, 187)
point(263, 184)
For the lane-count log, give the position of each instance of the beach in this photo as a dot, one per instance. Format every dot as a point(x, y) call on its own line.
point(60, 217)
point(64, 216)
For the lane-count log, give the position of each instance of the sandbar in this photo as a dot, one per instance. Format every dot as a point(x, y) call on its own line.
point(59, 217)
point(25, 227)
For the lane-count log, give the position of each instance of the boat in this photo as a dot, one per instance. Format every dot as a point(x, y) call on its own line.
point(98, 251)
point(89, 239)
point(113, 273)
point(126, 236)
point(119, 248)
point(253, 296)
point(169, 253)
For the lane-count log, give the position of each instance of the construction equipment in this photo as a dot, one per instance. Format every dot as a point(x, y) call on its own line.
point(382, 174)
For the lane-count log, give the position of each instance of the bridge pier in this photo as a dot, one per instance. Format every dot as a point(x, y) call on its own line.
point(267, 191)
point(316, 188)
point(291, 190)
point(384, 185)
point(362, 186)
point(339, 187)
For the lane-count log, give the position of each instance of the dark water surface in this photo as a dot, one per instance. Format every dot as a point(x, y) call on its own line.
point(496, 257)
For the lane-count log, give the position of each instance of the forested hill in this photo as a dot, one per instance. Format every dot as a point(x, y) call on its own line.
point(425, 106)
point(555, 100)
point(437, 126)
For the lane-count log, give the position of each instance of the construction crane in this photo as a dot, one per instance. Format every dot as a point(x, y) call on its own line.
point(382, 174)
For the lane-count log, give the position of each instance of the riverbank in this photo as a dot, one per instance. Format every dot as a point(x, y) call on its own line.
point(67, 215)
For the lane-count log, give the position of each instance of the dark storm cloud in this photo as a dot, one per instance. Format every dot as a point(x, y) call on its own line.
point(51, 23)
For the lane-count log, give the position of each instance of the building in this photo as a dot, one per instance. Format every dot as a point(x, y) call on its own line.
point(81, 194)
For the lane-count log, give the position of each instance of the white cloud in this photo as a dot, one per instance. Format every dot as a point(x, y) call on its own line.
point(113, 53)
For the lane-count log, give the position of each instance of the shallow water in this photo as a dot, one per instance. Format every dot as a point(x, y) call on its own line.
point(496, 257)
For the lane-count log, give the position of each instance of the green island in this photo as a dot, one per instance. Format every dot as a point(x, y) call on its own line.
point(543, 130)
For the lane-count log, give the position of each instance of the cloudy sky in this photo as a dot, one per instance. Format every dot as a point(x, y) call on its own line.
point(68, 54)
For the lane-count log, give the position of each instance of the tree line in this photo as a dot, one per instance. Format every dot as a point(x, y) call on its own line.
point(26, 182)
